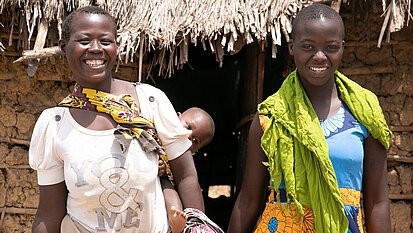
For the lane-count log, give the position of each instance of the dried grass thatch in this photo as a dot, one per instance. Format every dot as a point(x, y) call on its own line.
point(169, 26)
point(397, 14)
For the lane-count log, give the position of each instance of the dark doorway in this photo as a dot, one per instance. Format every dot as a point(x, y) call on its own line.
point(218, 90)
point(202, 83)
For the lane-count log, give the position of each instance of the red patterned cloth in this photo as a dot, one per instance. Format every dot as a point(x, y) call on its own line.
point(198, 222)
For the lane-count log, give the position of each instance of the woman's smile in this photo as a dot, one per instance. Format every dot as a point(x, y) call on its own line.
point(318, 69)
point(95, 63)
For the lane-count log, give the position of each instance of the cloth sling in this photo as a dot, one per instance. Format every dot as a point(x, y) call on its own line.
point(132, 124)
point(198, 222)
point(297, 150)
point(124, 111)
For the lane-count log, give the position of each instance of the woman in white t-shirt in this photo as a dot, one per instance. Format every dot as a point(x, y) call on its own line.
point(96, 154)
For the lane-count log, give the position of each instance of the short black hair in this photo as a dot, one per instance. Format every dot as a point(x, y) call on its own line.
point(317, 11)
point(68, 22)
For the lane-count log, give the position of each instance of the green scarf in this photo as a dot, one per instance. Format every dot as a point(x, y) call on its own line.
point(297, 150)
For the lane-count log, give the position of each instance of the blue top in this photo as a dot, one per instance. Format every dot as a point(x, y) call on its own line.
point(345, 137)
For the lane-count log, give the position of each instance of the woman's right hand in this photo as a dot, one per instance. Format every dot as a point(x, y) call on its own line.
point(52, 208)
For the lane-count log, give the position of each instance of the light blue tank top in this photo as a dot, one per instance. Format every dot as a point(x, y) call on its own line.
point(345, 137)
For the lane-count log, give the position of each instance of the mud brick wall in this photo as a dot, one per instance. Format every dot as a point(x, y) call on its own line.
point(387, 71)
point(21, 101)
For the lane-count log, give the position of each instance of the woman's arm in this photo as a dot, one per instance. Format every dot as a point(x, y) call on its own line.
point(375, 188)
point(255, 182)
point(186, 181)
point(52, 208)
point(170, 194)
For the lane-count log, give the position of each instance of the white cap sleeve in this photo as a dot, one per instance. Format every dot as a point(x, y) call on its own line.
point(42, 156)
point(173, 135)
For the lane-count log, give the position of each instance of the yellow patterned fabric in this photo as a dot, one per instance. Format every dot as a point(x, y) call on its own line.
point(279, 217)
point(350, 196)
point(264, 121)
point(353, 197)
point(123, 111)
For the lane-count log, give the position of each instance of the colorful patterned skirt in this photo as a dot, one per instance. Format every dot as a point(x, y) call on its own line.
point(277, 218)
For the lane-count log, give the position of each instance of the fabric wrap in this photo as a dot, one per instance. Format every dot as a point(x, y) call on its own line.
point(123, 111)
point(198, 222)
point(297, 150)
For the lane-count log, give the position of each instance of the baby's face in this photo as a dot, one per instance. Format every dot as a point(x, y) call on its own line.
point(200, 130)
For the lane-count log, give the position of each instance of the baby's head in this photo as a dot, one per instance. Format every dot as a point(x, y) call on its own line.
point(202, 127)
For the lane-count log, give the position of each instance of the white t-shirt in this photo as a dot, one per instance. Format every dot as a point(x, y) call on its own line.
point(109, 191)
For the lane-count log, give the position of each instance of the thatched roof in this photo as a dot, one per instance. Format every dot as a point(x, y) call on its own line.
point(169, 26)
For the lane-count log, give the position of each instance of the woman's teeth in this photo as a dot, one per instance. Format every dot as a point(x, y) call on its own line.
point(318, 69)
point(94, 63)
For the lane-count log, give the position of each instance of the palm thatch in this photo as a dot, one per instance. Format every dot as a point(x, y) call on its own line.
point(169, 26)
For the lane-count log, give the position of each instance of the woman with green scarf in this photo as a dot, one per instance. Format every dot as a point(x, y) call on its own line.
point(319, 143)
